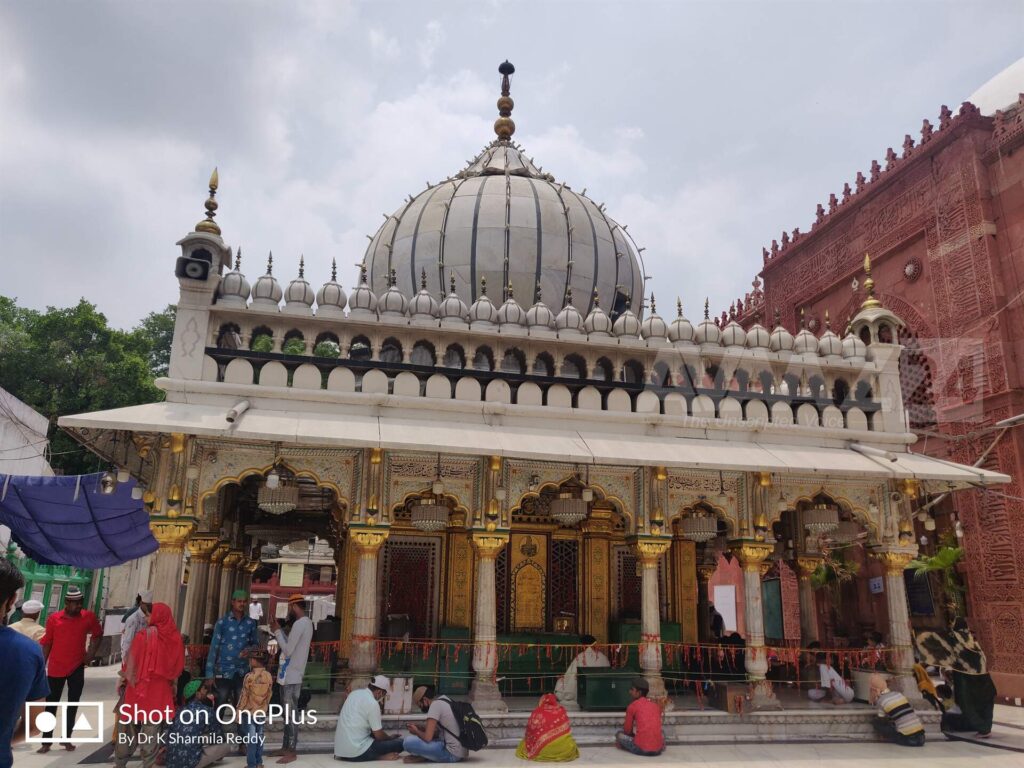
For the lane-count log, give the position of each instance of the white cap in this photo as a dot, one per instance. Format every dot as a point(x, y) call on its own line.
point(31, 607)
point(147, 596)
point(382, 682)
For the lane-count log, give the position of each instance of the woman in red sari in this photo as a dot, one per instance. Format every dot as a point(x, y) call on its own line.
point(155, 660)
point(548, 736)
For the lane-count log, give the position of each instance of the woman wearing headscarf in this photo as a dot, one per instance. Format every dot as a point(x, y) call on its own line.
point(973, 689)
point(155, 660)
point(548, 737)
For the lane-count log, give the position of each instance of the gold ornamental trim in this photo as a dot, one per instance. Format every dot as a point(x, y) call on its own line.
point(806, 566)
point(172, 534)
point(894, 562)
point(648, 550)
point(232, 559)
point(752, 553)
point(489, 545)
point(251, 566)
point(705, 572)
point(218, 554)
point(368, 541)
point(201, 547)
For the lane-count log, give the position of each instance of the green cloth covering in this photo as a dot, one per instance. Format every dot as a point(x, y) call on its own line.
point(239, 594)
point(561, 750)
point(191, 687)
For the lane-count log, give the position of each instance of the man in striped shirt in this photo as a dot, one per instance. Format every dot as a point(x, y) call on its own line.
point(897, 721)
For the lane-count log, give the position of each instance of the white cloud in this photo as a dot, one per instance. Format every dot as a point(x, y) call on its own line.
point(433, 36)
point(383, 46)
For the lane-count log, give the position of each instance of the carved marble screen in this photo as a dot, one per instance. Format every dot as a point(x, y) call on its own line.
point(409, 578)
point(626, 599)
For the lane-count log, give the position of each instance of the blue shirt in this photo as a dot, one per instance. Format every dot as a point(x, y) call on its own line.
point(22, 678)
point(231, 636)
point(187, 736)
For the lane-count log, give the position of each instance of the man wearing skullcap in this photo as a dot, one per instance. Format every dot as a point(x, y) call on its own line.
point(232, 634)
point(195, 738)
point(29, 625)
point(64, 645)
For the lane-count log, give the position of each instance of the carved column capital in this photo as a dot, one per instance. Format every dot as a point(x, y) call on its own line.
point(202, 546)
point(751, 554)
point(251, 566)
point(232, 559)
point(219, 553)
point(489, 545)
point(705, 572)
point(369, 540)
point(172, 533)
point(805, 566)
point(649, 548)
point(895, 561)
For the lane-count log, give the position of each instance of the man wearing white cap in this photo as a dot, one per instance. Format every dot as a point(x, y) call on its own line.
point(29, 625)
point(360, 736)
point(136, 621)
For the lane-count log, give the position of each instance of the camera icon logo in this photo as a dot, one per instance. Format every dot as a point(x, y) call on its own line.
point(56, 722)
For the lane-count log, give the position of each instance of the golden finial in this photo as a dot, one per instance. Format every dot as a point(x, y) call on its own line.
point(208, 224)
point(869, 285)
point(707, 316)
point(828, 321)
point(511, 295)
point(503, 126)
point(803, 323)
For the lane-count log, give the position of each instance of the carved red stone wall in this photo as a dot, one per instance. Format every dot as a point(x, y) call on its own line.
point(944, 224)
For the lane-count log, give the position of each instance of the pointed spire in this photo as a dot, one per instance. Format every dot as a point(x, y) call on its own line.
point(503, 126)
point(869, 285)
point(270, 262)
point(654, 310)
point(334, 270)
point(706, 305)
point(208, 224)
point(238, 259)
point(423, 279)
point(679, 307)
point(302, 267)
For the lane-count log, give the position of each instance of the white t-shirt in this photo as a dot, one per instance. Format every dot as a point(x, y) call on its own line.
point(358, 719)
point(829, 676)
point(255, 612)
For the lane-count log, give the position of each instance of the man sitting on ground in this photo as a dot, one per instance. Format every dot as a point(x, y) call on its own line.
point(831, 683)
point(359, 735)
point(437, 740)
point(897, 721)
point(641, 733)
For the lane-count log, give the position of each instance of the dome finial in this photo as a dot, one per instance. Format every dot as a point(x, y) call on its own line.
point(503, 126)
point(238, 259)
point(869, 285)
point(334, 270)
point(536, 293)
point(452, 282)
point(679, 307)
point(511, 294)
point(597, 298)
point(270, 262)
point(828, 322)
point(302, 267)
point(423, 279)
point(706, 306)
point(654, 311)
point(803, 323)
point(778, 317)
point(362, 273)
point(208, 224)
point(483, 286)
point(394, 278)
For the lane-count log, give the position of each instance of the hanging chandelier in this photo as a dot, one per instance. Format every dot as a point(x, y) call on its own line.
point(568, 509)
point(821, 518)
point(277, 496)
point(699, 527)
point(430, 513)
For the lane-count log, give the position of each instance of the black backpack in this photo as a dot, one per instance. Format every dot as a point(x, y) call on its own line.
point(471, 731)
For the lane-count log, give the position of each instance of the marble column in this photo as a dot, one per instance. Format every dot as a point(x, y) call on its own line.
point(213, 578)
point(752, 556)
point(901, 659)
point(228, 573)
point(805, 566)
point(484, 691)
point(649, 550)
point(168, 566)
point(200, 547)
point(366, 624)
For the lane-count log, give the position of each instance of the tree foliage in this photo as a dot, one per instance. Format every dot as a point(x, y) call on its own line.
point(69, 360)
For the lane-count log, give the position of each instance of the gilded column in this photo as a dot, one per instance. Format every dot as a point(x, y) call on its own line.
point(228, 572)
point(200, 547)
point(649, 550)
point(805, 566)
point(596, 574)
point(704, 574)
point(363, 651)
point(484, 691)
point(752, 556)
point(250, 568)
point(168, 565)
point(213, 578)
point(895, 562)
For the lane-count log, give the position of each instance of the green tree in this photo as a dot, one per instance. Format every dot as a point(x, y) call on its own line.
point(69, 360)
point(157, 331)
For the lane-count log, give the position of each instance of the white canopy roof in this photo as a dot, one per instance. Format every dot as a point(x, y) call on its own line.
point(476, 433)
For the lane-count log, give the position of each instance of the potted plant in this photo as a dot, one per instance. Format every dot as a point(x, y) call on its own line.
point(943, 563)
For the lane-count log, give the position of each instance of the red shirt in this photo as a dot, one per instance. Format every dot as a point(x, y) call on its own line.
point(65, 640)
point(643, 723)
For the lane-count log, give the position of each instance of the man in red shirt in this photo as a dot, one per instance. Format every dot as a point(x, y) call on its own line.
point(66, 655)
point(641, 733)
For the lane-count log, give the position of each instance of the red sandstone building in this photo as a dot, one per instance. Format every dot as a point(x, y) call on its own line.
point(943, 221)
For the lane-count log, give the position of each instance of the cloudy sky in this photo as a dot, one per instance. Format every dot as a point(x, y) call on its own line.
point(707, 127)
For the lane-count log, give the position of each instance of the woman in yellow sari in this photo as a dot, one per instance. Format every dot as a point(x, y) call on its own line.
point(548, 736)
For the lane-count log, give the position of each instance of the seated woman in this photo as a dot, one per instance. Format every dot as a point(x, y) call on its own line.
point(548, 737)
point(565, 687)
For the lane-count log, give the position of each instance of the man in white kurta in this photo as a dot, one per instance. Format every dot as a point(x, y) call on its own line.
point(565, 688)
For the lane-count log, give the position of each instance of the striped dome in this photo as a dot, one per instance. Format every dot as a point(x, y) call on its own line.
point(461, 222)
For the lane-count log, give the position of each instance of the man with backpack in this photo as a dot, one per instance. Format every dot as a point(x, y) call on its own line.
point(437, 740)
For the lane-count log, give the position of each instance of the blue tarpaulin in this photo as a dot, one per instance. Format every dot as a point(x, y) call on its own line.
point(69, 521)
